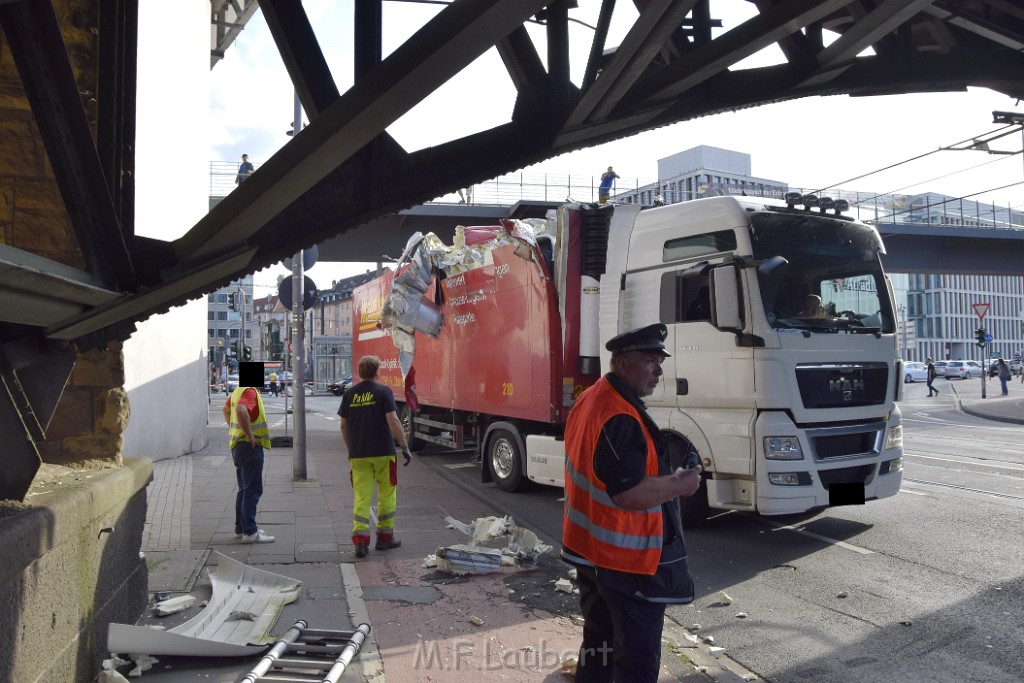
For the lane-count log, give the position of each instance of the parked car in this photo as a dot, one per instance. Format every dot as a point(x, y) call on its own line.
point(1014, 367)
point(339, 386)
point(963, 369)
point(915, 372)
point(230, 384)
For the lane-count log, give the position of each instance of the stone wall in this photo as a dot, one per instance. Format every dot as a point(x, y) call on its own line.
point(70, 561)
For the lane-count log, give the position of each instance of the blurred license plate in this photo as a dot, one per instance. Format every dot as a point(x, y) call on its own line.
point(846, 494)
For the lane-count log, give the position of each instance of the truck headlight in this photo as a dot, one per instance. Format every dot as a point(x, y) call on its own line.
point(894, 437)
point(782, 448)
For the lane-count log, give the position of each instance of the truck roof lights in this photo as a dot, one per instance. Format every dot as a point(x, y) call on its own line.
point(810, 201)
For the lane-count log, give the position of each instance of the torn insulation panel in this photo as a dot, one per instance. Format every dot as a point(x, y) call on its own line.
point(236, 622)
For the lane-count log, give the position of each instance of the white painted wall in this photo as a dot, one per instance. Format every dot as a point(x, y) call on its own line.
point(166, 367)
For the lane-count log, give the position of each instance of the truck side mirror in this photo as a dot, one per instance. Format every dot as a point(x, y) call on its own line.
point(725, 298)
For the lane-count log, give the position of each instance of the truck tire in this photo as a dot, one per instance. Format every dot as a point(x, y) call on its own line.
point(505, 461)
point(405, 416)
point(694, 509)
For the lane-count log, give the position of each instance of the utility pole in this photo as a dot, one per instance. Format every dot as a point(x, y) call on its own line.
point(298, 345)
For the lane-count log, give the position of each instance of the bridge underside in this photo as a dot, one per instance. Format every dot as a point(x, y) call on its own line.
point(344, 170)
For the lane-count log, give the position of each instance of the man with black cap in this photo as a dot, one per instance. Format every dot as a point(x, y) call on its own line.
point(622, 528)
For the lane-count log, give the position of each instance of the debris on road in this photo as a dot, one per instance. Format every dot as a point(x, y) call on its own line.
point(724, 598)
point(564, 585)
point(522, 550)
point(475, 620)
point(174, 605)
point(716, 651)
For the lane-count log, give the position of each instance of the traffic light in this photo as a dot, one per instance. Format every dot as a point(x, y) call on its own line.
point(247, 353)
point(979, 336)
point(231, 302)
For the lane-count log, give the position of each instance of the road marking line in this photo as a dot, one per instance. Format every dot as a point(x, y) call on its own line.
point(459, 466)
point(826, 539)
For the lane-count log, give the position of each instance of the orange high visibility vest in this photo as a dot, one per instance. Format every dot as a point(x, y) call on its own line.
point(594, 527)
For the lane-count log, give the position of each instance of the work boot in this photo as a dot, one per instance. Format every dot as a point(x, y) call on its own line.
point(362, 549)
point(387, 543)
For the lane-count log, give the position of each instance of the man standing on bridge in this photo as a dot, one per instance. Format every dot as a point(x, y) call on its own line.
point(622, 528)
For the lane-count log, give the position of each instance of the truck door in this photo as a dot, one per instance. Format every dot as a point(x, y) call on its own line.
point(713, 377)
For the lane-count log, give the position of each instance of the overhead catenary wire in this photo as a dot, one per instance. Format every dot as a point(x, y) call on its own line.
point(915, 158)
point(930, 180)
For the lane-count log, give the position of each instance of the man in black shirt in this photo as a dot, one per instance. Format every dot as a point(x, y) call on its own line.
point(370, 428)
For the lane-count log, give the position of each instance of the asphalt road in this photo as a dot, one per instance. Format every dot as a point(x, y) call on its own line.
point(926, 586)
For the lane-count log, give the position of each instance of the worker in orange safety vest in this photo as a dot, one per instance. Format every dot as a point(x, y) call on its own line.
point(622, 528)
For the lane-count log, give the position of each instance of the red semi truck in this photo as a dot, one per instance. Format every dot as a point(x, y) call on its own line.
point(503, 366)
point(487, 342)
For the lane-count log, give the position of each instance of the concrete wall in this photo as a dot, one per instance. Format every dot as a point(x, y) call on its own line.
point(166, 366)
point(70, 566)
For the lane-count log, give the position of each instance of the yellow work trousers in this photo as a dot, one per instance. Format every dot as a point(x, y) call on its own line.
point(365, 472)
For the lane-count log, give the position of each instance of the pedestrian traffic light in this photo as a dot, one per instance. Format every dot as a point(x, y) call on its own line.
point(979, 335)
point(231, 302)
point(247, 353)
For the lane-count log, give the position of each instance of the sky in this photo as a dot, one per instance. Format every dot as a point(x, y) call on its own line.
point(807, 143)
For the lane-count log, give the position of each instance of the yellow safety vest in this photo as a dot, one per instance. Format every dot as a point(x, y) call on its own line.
point(258, 426)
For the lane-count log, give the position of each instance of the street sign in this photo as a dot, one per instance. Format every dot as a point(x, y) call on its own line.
point(981, 309)
point(309, 293)
point(988, 338)
point(309, 257)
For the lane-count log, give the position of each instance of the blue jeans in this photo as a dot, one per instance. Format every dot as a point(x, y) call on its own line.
point(1003, 381)
point(249, 473)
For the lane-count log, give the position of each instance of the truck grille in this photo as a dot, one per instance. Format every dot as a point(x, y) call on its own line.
point(828, 385)
point(845, 475)
point(847, 441)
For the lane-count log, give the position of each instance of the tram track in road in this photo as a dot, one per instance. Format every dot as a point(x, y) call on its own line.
point(965, 489)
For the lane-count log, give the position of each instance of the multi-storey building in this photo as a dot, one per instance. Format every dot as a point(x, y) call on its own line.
point(703, 172)
point(329, 327)
point(270, 328)
point(229, 321)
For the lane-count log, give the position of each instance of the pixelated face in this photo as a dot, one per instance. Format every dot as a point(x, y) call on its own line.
point(250, 374)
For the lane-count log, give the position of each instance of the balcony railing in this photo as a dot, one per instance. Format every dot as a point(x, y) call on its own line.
point(508, 189)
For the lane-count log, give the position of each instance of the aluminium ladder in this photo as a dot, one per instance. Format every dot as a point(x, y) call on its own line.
point(314, 655)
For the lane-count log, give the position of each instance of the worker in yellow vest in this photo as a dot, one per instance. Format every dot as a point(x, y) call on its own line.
point(248, 436)
point(622, 528)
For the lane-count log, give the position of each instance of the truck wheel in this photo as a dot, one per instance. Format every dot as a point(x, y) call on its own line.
point(405, 416)
point(695, 509)
point(506, 461)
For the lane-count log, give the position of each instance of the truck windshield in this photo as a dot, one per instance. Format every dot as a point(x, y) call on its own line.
point(833, 281)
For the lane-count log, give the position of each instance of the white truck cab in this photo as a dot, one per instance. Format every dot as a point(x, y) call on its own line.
point(784, 374)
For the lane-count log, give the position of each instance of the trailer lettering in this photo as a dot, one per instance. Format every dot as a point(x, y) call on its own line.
point(464, 319)
point(501, 270)
point(457, 281)
point(507, 389)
